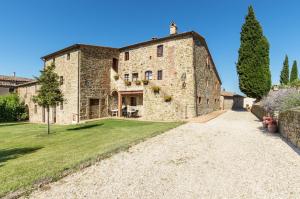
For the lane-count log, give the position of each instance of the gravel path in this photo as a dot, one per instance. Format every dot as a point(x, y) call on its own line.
point(228, 157)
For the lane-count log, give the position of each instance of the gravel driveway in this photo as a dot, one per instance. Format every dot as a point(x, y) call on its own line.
point(227, 157)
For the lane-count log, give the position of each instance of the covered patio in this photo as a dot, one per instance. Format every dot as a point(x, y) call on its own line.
point(127, 103)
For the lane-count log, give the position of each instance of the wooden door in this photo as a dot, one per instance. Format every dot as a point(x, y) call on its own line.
point(94, 108)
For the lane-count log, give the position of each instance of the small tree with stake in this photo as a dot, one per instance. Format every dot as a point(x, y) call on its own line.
point(49, 93)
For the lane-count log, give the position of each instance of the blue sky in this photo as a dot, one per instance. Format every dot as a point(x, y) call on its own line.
point(33, 28)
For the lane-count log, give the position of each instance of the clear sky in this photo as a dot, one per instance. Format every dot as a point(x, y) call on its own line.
point(33, 28)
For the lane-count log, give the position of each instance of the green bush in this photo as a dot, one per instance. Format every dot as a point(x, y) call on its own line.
point(290, 101)
point(12, 109)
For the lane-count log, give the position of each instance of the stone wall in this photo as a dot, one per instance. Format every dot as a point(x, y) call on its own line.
point(208, 86)
point(36, 113)
point(258, 111)
point(67, 68)
point(95, 78)
point(289, 126)
point(178, 79)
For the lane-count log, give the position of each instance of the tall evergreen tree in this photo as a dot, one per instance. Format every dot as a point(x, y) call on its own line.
point(253, 62)
point(284, 75)
point(294, 72)
point(49, 93)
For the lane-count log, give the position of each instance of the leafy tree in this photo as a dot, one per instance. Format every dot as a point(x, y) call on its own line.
point(12, 109)
point(284, 75)
point(49, 93)
point(294, 72)
point(253, 62)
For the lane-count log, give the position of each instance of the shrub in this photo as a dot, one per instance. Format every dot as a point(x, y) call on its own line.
point(127, 83)
point(290, 101)
point(137, 82)
point(145, 81)
point(12, 109)
point(168, 98)
point(116, 77)
point(275, 99)
point(155, 89)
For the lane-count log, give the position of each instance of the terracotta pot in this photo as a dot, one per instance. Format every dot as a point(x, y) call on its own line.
point(264, 123)
point(272, 128)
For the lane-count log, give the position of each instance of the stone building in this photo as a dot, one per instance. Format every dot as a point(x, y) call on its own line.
point(229, 100)
point(169, 78)
point(9, 83)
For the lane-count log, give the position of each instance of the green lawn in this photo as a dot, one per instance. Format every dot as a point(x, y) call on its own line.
point(28, 155)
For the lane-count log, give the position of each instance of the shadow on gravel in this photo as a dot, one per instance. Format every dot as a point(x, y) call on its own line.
point(278, 136)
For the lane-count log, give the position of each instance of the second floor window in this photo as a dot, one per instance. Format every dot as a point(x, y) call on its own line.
point(126, 56)
point(148, 75)
point(160, 51)
point(126, 77)
point(135, 77)
point(159, 75)
point(68, 56)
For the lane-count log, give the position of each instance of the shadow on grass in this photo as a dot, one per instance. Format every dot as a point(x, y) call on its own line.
point(12, 124)
point(87, 126)
point(8, 154)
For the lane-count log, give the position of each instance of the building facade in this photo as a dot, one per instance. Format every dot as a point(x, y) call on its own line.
point(9, 83)
point(170, 78)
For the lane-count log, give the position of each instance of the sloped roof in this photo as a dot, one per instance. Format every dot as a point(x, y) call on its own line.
point(230, 94)
point(12, 81)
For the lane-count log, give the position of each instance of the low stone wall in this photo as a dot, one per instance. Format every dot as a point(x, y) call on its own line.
point(289, 126)
point(258, 111)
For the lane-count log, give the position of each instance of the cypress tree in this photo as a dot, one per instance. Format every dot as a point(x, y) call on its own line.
point(284, 75)
point(253, 62)
point(294, 72)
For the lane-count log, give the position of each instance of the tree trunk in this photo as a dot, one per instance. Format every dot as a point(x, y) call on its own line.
point(48, 121)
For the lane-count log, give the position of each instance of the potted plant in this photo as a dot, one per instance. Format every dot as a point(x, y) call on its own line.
point(266, 121)
point(116, 77)
point(145, 81)
point(137, 82)
point(168, 98)
point(127, 83)
point(272, 127)
point(155, 89)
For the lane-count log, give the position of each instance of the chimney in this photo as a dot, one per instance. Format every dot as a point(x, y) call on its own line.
point(173, 28)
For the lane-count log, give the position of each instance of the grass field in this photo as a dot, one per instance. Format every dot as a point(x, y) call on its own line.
point(29, 156)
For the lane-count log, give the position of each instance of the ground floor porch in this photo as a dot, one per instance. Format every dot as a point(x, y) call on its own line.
point(127, 103)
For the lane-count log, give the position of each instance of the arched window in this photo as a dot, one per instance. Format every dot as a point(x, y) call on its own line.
point(148, 75)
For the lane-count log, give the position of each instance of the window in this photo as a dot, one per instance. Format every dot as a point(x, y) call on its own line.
point(148, 75)
point(199, 100)
point(126, 77)
point(115, 65)
point(135, 77)
point(126, 56)
point(68, 56)
point(160, 51)
point(94, 102)
point(61, 80)
point(207, 101)
point(215, 100)
point(133, 101)
point(159, 75)
point(35, 109)
point(53, 61)
point(61, 107)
